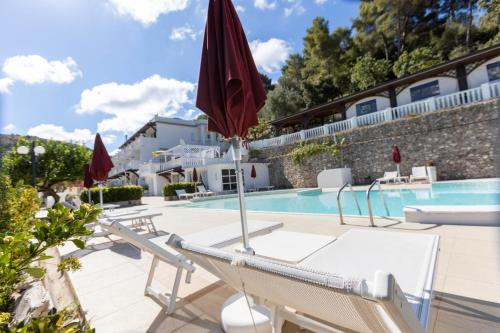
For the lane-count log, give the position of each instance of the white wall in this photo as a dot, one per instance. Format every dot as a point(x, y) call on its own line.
point(447, 85)
point(214, 175)
point(382, 104)
point(479, 75)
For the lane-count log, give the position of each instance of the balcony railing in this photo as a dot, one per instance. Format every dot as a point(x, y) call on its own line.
point(484, 92)
point(132, 165)
point(190, 162)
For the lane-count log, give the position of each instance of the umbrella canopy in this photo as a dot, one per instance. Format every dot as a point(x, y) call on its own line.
point(253, 173)
point(230, 90)
point(87, 178)
point(396, 155)
point(101, 162)
point(195, 175)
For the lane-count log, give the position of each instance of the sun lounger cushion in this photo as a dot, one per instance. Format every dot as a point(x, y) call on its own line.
point(409, 257)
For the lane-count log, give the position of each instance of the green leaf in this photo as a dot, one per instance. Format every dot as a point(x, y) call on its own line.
point(79, 243)
point(35, 272)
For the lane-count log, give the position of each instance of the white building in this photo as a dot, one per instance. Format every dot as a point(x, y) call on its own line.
point(166, 150)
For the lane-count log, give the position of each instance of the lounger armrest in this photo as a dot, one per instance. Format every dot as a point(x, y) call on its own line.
point(388, 293)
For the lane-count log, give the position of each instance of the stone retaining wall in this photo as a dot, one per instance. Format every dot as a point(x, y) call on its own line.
point(463, 143)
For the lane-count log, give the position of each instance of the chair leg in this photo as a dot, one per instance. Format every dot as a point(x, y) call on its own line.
point(152, 270)
point(175, 290)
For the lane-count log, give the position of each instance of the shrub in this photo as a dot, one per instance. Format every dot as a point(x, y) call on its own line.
point(254, 153)
point(169, 190)
point(113, 194)
point(305, 150)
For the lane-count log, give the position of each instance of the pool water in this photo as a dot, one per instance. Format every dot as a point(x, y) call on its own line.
point(481, 192)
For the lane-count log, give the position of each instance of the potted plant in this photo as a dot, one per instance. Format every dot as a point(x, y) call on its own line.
point(431, 171)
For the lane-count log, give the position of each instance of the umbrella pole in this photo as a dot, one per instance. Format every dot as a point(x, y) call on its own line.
point(88, 192)
point(397, 166)
point(241, 195)
point(100, 194)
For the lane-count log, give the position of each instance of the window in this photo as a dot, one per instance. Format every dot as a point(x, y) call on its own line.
point(493, 70)
point(366, 107)
point(424, 91)
point(229, 182)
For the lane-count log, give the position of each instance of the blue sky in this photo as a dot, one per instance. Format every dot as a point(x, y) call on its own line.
point(71, 68)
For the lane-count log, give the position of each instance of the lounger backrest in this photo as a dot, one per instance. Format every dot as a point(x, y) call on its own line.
point(164, 254)
point(202, 189)
point(180, 192)
point(390, 174)
point(419, 172)
point(344, 303)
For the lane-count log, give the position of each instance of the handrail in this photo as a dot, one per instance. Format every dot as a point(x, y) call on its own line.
point(368, 201)
point(340, 206)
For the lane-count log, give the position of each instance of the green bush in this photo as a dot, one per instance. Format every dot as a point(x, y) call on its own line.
point(113, 194)
point(169, 190)
point(254, 153)
point(305, 150)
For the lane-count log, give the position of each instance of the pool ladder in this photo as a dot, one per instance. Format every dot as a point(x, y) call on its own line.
point(340, 206)
point(368, 201)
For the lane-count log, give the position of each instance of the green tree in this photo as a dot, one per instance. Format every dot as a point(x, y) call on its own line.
point(368, 72)
point(489, 23)
point(61, 162)
point(317, 72)
point(415, 61)
point(260, 131)
point(267, 82)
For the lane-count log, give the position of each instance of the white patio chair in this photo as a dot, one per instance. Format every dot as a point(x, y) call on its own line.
point(388, 177)
point(203, 191)
point(181, 194)
point(346, 286)
point(217, 237)
point(418, 173)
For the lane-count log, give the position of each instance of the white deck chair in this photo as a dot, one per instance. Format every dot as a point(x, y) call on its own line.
point(138, 220)
point(181, 194)
point(388, 177)
point(162, 253)
point(324, 301)
point(218, 237)
point(203, 191)
point(418, 173)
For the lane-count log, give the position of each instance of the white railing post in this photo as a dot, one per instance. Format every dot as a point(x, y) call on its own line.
point(354, 122)
point(325, 130)
point(302, 135)
point(485, 91)
point(431, 102)
point(388, 114)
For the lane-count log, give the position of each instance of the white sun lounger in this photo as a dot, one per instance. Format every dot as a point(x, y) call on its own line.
point(138, 220)
point(350, 285)
point(203, 191)
point(418, 173)
point(217, 237)
point(388, 177)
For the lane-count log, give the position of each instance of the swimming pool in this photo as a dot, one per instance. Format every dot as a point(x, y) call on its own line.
point(477, 192)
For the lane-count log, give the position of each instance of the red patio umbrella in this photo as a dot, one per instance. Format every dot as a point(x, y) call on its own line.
point(87, 178)
point(396, 157)
point(100, 165)
point(253, 175)
point(195, 175)
point(230, 90)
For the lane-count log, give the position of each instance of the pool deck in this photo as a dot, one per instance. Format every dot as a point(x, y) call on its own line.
point(111, 282)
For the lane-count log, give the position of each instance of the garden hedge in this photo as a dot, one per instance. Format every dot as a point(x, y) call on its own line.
point(113, 194)
point(169, 190)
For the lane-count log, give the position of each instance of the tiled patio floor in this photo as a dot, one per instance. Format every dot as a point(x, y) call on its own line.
point(111, 283)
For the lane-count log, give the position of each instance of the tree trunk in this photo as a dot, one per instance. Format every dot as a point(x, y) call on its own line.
point(50, 191)
point(469, 24)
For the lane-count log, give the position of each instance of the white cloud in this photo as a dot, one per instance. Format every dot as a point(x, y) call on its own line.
point(5, 83)
point(264, 4)
point(147, 11)
point(132, 105)
point(9, 128)
point(181, 33)
point(270, 55)
point(240, 8)
point(33, 69)
point(320, 2)
point(55, 132)
point(295, 8)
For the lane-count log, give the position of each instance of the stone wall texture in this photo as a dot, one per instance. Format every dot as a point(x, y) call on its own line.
point(463, 143)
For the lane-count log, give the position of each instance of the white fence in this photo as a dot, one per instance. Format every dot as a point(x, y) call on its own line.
point(191, 162)
point(484, 92)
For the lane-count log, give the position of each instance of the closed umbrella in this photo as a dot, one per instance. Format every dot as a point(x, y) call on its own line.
point(87, 179)
point(230, 90)
point(195, 175)
point(396, 157)
point(253, 174)
point(100, 165)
